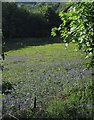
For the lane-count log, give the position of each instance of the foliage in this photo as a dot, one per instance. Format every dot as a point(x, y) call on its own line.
point(73, 103)
point(22, 21)
point(8, 10)
point(78, 26)
point(7, 87)
point(40, 7)
point(19, 22)
point(52, 18)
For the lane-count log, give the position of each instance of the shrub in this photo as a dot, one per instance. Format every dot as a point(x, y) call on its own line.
point(7, 87)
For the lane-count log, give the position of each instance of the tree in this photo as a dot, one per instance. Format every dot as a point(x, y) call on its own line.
point(8, 9)
point(80, 30)
point(18, 21)
point(52, 18)
point(78, 26)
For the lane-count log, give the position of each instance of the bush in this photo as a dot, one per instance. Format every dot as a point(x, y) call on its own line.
point(7, 87)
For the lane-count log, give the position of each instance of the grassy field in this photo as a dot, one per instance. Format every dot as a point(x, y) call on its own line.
point(43, 71)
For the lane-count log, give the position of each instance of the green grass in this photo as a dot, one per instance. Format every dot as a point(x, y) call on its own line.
point(33, 59)
point(42, 71)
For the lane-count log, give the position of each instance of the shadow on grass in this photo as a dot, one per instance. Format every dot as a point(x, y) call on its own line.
point(14, 44)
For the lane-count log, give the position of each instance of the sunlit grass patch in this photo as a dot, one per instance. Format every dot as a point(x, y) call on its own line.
point(44, 72)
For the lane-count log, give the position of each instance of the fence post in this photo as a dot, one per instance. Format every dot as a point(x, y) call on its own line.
point(35, 102)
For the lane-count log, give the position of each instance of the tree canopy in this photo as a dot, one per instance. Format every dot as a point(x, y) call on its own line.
point(78, 26)
point(29, 20)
